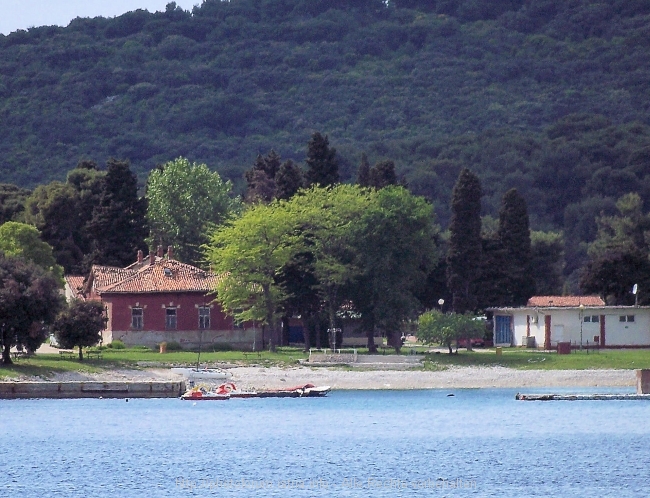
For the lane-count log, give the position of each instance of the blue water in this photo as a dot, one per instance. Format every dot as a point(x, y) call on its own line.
point(356, 444)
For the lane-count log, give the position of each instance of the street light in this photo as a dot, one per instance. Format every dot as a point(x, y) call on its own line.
point(441, 302)
point(582, 310)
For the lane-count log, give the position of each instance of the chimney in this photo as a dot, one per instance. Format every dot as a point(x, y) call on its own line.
point(140, 256)
point(152, 258)
point(160, 251)
point(170, 252)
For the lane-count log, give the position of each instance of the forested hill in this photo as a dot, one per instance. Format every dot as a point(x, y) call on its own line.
point(549, 96)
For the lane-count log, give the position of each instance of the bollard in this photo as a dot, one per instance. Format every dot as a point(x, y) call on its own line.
point(643, 381)
point(499, 351)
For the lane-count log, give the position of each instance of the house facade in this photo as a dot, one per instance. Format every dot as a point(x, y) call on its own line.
point(582, 321)
point(158, 299)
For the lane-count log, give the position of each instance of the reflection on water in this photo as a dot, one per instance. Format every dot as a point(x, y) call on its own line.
point(368, 443)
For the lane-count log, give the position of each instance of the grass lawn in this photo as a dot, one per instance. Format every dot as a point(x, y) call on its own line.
point(533, 360)
point(47, 365)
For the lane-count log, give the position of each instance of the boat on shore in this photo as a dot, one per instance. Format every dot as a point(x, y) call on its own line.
point(229, 390)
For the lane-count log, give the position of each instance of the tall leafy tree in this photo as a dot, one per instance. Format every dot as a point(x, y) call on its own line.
point(464, 250)
point(29, 302)
point(80, 325)
point(250, 252)
point(397, 249)
point(322, 163)
point(118, 226)
point(184, 199)
point(24, 241)
point(54, 209)
point(514, 237)
point(330, 222)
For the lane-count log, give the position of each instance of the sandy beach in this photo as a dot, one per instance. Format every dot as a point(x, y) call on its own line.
point(454, 377)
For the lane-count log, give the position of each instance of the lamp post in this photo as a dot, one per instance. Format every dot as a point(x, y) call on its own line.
point(441, 302)
point(582, 310)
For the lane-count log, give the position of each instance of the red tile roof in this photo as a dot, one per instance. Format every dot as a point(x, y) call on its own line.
point(76, 283)
point(165, 275)
point(564, 301)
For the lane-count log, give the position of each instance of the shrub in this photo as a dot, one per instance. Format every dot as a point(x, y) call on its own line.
point(174, 346)
point(117, 344)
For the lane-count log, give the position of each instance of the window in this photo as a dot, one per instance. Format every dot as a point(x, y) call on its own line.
point(587, 319)
point(630, 318)
point(170, 318)
point(136, 318)
point(204, 317)
point(626, 318)
point(592, 319)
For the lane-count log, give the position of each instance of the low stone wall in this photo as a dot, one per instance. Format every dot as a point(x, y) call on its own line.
point(643, 381)
point(21, 390)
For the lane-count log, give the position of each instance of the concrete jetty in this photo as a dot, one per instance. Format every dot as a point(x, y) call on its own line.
point(642, 392)
point(60, 390)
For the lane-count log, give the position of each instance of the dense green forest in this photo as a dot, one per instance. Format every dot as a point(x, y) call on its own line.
point(548, 96)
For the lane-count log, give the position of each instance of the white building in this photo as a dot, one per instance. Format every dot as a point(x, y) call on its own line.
point(546, 321)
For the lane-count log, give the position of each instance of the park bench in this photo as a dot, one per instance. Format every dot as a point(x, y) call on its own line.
point(67, 354)
point(93, 355)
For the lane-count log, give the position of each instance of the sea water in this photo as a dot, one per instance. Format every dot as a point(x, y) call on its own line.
point(352, 443)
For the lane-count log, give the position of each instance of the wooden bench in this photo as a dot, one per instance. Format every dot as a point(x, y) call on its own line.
point(257, 354)
point(67, 354)
point(93, 355)
point(18, 354)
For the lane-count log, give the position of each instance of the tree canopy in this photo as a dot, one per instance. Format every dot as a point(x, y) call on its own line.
point(23, 241)
point(80, 324)
point(184, 199)
point(29, 302)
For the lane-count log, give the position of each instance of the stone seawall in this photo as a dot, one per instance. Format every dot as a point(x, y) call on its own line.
point(22, 390)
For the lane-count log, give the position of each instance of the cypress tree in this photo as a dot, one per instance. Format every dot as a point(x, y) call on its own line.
point(118, 225)
point(383, 175)
point(514, 235)
point(322, 164)
point(464, 253)
point(288, 180)
point(363, 174)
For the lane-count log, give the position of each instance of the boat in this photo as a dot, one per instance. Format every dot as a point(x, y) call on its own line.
point(229, 390)
point(203, 394)
point(301, 391)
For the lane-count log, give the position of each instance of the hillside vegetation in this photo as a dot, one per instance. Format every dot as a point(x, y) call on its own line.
point(548, 96)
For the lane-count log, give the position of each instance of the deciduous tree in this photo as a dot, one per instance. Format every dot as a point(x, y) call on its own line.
point(29, 302)
point(80, 325)
point(184, 199)
point(23, 241)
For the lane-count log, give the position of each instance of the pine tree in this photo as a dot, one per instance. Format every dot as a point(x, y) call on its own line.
point(363, 174)
point(514, 236)
point(464, 254)
point(288, 180)
point(322, 164)
point(118, 225)
point(383, 174)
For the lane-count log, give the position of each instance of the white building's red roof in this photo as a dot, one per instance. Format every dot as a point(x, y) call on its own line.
point(564, 301)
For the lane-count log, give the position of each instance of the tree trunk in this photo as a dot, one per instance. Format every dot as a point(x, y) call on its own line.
point(305, 332)
point(269, 318)
point(449, 346)
point(6, 356)
point(81, 354)
point(319, 343)
point(369, 325)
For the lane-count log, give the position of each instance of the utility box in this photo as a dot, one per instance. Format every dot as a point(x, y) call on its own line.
point(530, 342)
point(563, 348)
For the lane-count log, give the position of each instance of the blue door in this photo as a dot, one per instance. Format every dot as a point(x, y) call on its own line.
point(502, 331)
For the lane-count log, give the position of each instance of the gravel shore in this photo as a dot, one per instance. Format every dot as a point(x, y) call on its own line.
point(455, 377)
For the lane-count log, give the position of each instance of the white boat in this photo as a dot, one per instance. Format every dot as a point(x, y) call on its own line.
point(203, 374)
